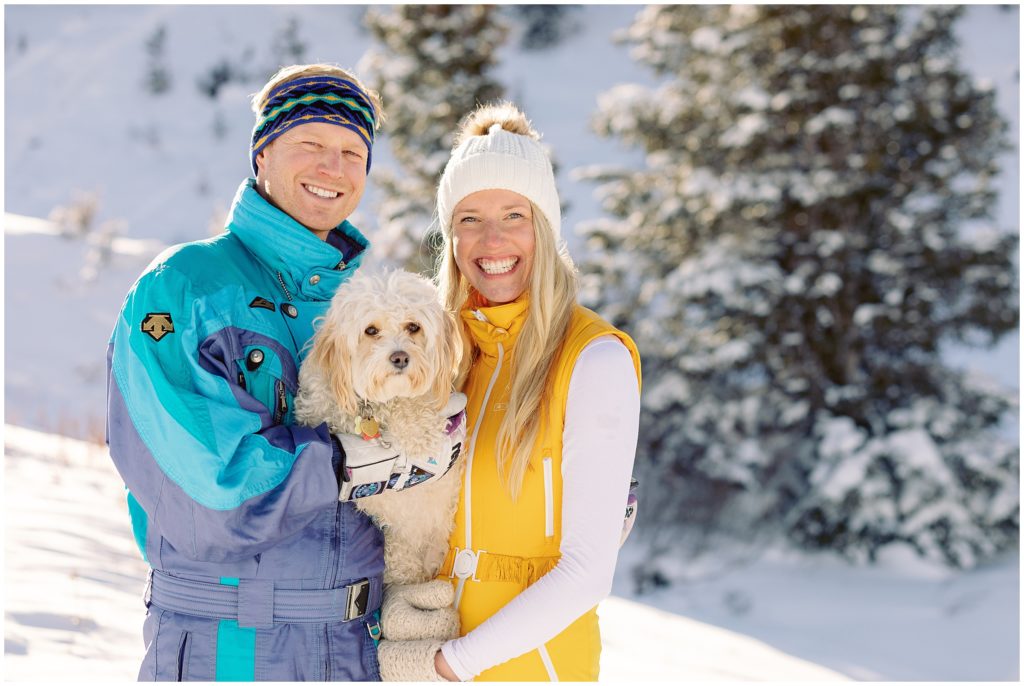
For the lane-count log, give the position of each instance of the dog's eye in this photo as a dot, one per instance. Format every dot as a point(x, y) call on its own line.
point(412, 327)
point(372, 331)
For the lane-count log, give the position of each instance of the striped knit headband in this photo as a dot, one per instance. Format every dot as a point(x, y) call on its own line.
point(328, 99)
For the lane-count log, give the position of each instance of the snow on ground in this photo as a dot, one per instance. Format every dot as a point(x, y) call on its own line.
point(899, 620)
point(73, 581)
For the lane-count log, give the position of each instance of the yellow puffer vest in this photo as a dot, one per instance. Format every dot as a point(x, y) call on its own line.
point(501, 546)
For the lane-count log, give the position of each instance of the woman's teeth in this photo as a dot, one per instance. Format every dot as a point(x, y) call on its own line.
point(498, 266)
point(322, 192)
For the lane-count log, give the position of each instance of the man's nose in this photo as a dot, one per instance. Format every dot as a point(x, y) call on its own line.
point(330, 163)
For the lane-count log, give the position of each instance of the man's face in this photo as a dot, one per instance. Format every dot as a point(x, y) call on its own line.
point(315, 173)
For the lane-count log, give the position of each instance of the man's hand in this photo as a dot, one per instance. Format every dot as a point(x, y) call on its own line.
point(408, 660)
point(413, 612)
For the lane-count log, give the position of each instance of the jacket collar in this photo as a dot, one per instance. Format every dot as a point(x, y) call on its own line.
point(496, 324)
point(293, 251)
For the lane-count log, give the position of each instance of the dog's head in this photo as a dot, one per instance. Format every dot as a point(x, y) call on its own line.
point(386, 336)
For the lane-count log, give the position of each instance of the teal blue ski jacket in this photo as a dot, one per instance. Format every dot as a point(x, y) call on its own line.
point(233, 506)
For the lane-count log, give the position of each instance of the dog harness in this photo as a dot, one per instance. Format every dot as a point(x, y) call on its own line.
point(366, 473)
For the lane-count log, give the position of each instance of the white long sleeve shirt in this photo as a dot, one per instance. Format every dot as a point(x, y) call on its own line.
point(599, 443)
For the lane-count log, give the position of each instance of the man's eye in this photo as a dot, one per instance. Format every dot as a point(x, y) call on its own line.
point(371, 331)
point(412, 327)
point(354, 153)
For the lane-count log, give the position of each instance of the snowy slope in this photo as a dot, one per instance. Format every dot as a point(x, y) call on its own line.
point(73, 583)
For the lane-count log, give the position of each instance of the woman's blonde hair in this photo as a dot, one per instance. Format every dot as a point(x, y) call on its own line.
point(552, 294)
point(298, 71)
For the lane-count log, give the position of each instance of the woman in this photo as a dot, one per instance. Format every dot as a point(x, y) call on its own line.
point(554, 404)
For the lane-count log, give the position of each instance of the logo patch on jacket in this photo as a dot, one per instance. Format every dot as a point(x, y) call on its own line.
point(157, 325)
point(264, 303)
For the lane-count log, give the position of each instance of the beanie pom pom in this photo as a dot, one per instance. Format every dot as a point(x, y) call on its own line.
point(493, 118)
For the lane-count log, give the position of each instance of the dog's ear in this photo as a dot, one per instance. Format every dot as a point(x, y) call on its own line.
point(449, 353)
point(331, 355)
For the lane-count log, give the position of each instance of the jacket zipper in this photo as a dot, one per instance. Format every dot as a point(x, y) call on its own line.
point(287, 293)
point(282, 403)
point(468, 476)
point(335, 560)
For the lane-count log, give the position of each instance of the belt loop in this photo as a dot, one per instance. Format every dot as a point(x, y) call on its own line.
point(255, 604)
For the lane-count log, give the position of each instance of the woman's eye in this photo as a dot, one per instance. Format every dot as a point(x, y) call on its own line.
point(516, 215)
point(412, 327)
point(467, 220)
point(371, 331)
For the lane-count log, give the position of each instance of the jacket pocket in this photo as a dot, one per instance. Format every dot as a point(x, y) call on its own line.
point(260, 375)
point(549, 499)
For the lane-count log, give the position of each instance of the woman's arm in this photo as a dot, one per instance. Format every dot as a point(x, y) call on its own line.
point(599, 442)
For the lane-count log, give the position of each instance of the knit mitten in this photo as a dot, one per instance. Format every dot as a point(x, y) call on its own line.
point(413, 612)
point(408, 660)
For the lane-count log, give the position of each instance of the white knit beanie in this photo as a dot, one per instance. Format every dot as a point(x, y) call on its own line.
point(500, 159)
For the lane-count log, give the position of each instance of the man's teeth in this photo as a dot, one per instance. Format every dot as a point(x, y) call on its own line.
point(498, 266)
point(322, 192)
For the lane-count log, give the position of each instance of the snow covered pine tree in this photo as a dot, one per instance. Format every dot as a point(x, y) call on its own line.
point(806, 233)
point(432, 66)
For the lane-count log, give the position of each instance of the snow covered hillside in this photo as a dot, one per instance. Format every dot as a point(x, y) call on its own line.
point(74, 579)
point(73, 582)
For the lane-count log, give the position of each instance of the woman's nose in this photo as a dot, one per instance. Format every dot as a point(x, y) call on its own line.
point(492, 233)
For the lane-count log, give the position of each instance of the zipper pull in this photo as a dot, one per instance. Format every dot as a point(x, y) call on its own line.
point(282, 403)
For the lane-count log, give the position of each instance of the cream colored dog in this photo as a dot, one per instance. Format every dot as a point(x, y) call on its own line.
point(384, 361)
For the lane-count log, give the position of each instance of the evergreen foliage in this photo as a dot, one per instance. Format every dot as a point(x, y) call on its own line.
point(809, 226)
point(158, 77)
point(544, 26)
point(433, 64)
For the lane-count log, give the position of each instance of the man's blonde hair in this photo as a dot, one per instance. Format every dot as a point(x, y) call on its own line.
point(298, 71)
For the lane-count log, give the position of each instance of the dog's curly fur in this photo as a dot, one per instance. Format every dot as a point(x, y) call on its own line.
point(353, 361)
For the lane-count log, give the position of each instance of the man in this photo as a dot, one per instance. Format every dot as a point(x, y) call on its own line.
point(262, 569)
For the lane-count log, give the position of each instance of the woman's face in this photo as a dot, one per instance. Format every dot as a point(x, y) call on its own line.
point(494, 241)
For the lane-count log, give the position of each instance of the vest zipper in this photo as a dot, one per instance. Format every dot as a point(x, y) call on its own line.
point(468, 476)
point(548, 665)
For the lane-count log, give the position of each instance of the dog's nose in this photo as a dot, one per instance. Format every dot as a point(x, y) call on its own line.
point(400, 359)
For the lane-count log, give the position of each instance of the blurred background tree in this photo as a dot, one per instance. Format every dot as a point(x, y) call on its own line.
point(432, 65)
point(810, 223)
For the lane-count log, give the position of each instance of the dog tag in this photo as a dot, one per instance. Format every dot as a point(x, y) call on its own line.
point(368, 428)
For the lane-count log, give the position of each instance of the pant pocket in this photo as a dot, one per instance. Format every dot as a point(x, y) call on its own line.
point(184, 649)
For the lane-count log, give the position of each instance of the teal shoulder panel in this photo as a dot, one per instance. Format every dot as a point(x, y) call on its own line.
point(187, 417)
